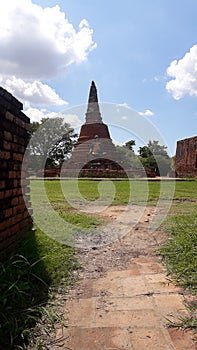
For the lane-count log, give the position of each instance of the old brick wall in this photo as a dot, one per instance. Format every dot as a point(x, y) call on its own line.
point(186, 158)
point(15, 220)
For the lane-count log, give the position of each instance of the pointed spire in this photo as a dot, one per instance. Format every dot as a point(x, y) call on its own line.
point(93, 114)
point(93, 94)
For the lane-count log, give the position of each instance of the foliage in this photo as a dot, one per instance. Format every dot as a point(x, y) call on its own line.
point(127, 155)
point(180, 255)
point(153, 148)
point(51, 142)
point(180, 251)
point(130, 144)
point(154, 157)
point(19, 305)
point(24, 286)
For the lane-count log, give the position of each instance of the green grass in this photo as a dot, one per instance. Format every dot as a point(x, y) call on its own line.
point(26, 280)
point(123, 189)
point(180, 256)
point(180, 252)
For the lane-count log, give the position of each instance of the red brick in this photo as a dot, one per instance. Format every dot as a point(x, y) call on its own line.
point(20, 123)
point(17, 191)
point(2, 194)
point(8, 135)
point(14, 201)
point(5, 155)
point(182, 340)
point(97, 339)
point(18, 156)
point(6, 145)
point(8, 193)
point(8, 212)
point(19, 140)
point(9, 116)
point(12, 174)
point(185, 159)
point(149, 338)
point(2, 183)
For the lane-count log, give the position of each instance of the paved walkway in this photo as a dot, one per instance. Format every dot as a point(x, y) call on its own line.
point(126, 309)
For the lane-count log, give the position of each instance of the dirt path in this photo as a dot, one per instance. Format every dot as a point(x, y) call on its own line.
point(123, 297)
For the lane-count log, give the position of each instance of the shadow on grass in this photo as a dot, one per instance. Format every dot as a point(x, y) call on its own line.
point(25, 280)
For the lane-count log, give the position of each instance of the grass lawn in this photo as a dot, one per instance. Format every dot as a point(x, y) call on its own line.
point(139, 190)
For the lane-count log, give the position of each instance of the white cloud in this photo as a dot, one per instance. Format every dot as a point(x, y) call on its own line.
point(124, 105)
point(71, 119)
point(124, 117)
point(147, 113)
point(184, 72)
point(36, 115)
point(32, 93)
point(38, 42)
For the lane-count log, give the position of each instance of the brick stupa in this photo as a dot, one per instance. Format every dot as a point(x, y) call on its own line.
point(94, 153)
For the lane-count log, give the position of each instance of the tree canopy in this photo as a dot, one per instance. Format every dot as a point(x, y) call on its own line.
point(51, 142)
point(153, 157)
point(153, 148)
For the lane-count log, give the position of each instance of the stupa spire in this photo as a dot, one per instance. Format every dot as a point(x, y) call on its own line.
point(93, 114)
point(93, 93)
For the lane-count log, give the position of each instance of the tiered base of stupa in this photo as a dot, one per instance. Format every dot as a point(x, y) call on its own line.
point(94, 158)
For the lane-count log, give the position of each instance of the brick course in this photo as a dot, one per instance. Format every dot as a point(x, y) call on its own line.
point(15, 220)
point(186, 158)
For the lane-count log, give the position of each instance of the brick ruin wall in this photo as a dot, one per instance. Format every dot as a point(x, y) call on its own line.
point(15, 218)
point(186, 158)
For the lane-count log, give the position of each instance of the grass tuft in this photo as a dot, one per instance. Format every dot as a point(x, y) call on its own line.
point(26, 280)
point(180, 255)
point(180, 251)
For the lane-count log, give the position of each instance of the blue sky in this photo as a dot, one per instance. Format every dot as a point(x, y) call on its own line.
point(126, 47)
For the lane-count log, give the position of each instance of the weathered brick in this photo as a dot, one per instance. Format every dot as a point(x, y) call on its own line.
point(19, 140)
point(9, 116)
point(5, 155)
point(186, 158)
point(14, 201)
point(12, 174)
point(6, 145)
point(8, 193)
point(17, 191)
point(18, 156)
point(8, 135)
point(8, 212)
point(14, 216)
point(2, 194)
point(2, 183)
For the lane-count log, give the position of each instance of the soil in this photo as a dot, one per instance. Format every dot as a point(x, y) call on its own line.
point(116, 255)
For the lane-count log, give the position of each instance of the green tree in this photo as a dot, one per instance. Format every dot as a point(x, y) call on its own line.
point(130, 144)
point(153, 148)
point(52, 141)
point(127, 155)
point(155, 159)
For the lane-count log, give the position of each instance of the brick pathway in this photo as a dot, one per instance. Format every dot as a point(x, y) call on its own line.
point(126, 309)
